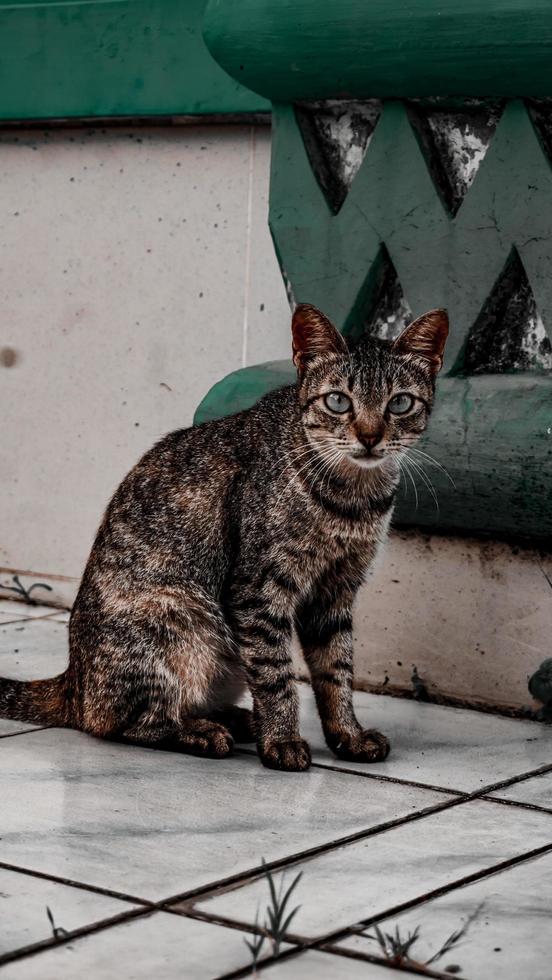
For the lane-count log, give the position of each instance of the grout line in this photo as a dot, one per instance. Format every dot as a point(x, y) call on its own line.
point(26, 951)
point(421, 970)
point(466, 793)
point(359, 927)
point(519, 803)
point(325, 943)
point(32, 574)
point(245, 877)
point(241, 880)
point(71, 883)
point(247, 971)
point(297, 952)
point(29, 619)
point(26, 731)
point(316, 943)
point(463, 882)
point(391, 779)
point(378, 777)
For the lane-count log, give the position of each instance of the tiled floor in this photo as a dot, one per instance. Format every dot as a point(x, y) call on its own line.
point(150, 862)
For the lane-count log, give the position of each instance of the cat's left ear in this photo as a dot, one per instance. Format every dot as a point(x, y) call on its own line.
point(313, 336)
point(425, 338)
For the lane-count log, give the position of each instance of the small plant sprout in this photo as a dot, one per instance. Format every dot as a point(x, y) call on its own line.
point(255, 944)
point(57, 931)
point(456, 937)
point(278, 919)
point(25, 593)
point(397, 948)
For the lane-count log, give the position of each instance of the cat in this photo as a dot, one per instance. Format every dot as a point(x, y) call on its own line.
point(227, 535)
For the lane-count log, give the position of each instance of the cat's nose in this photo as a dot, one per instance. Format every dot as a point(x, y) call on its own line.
point(370, 437)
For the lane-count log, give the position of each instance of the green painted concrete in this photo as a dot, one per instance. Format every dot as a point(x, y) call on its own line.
point(111, 58)
point(492, 434)
point(290, 50)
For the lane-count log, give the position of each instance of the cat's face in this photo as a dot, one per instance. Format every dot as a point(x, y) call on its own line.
point(361, 406)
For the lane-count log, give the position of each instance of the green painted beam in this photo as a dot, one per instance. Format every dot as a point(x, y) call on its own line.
point(290, 50)
point(111, 58)
point(492, 433)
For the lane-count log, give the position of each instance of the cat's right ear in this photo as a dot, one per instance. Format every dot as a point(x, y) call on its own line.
point(313, 336)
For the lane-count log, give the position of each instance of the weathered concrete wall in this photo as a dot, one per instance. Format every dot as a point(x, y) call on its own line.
point(472, 617)
point(137, 269)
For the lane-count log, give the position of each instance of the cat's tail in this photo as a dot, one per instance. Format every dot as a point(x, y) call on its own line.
point(39, 702)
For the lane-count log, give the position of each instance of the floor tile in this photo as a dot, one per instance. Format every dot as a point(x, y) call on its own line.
point(8, 727)
point(23, 901)
point(313, 965)
point(11, 610)
point(160, 946)
point(91, 810)
point(363, 879)
point(509, 940)
point(29, 649)
point(61, 617)
point(33, 648)
point(441, 746)
point(537, 790)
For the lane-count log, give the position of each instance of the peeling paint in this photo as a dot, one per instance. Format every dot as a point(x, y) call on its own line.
point(389, 311)
point(455, 143)
point(509, 334)
point(337, 134)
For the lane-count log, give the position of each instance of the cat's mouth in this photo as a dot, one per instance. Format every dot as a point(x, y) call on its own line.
point(366, 459)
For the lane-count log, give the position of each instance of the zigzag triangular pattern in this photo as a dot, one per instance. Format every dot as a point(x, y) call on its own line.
point(455, 141)
point(540, 111)
point(393, 198)
point(509, 334)
point(337, 134)
point(389, 311)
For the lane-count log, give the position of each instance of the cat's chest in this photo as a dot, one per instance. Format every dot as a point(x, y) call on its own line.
point(323, 549)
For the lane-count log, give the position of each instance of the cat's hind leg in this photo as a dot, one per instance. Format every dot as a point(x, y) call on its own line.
point(194, 736)
point(163, 661)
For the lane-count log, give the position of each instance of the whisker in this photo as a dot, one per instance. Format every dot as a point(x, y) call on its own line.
point(407, 468)
point(418, 468)
point(433, 462)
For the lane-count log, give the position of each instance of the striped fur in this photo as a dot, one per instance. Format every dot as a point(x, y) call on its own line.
point(223, 540)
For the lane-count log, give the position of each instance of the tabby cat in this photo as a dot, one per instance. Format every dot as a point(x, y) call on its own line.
point(225, 537)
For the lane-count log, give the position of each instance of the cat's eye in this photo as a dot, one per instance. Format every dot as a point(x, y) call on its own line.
point(401, 404)
point(336, 401)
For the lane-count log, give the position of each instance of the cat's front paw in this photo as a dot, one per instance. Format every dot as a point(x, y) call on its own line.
point(364, 745)
point(293, 755)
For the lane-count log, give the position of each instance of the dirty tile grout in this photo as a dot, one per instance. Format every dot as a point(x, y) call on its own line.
point(463, 882)
point(239, 879)
point(326, 943)
point(351, 930)
point(380, 777)
point(25, 731)
point(144, 908)
point(148, 908)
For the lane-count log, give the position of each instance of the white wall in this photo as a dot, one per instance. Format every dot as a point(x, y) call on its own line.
point(136, 269)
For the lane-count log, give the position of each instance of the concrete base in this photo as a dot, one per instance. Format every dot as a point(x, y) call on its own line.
point(472, 617)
